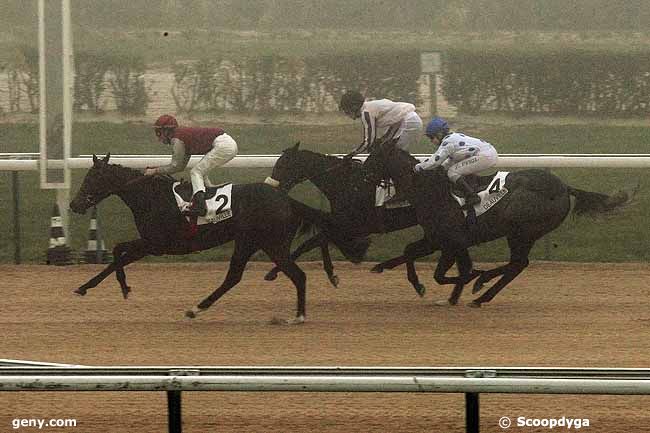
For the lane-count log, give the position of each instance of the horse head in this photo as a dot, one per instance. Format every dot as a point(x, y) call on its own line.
point(102, 180)
point(288, 169)
point(393, 161)
point(295, 166)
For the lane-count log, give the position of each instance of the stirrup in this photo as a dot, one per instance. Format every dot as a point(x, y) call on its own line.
point(471, 201)
point(196, 211)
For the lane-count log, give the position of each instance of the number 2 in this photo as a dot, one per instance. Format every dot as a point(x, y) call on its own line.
point(221, 197)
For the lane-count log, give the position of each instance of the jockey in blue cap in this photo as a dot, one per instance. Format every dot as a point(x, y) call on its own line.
point(459, 154)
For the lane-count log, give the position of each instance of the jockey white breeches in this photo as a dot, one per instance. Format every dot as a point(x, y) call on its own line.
point(479, 162)
point(224, 148)
point(409, 132)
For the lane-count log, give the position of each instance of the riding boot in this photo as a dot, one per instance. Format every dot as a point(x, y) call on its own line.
point(198, 207)
point(471, 198)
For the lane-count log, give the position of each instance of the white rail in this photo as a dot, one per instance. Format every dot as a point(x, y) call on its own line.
point(470, 381)
point(267, 161)
point(313, 383)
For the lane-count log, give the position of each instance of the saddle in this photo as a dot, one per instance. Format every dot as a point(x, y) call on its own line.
point(477, 183)
point(184, 189)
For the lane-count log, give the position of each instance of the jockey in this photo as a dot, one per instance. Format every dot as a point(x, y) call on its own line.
point(381, 114)
point(398, 118)
point(459, 154)
point(214, 144)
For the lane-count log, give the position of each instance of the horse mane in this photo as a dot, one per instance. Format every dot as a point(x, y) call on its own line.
point(131, 172)
point(132, 176)
point(330, 161)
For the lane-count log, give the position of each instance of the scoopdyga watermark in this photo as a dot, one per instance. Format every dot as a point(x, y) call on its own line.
point(563, 422)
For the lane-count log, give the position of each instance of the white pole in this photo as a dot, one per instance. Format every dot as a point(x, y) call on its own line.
point(42, 114)
point(68, 83)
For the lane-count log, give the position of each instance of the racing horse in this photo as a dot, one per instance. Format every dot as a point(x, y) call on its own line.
point(352, 204)
point(533, 203)
point(263, 218)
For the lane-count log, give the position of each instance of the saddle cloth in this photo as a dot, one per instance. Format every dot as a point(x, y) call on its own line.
point(489, 194)
point(218, 200)
point(385, 192)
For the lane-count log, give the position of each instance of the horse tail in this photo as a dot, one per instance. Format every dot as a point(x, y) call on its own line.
point(354, 249)
point(594, 202)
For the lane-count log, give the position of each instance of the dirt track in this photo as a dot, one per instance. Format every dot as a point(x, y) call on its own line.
point(591, 315)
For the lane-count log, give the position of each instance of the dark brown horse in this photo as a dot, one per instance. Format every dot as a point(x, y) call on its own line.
point(534, 203)
point(352, 203)
point(263, 218)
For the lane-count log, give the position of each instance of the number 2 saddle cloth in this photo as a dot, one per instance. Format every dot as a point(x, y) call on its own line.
point(218, 200)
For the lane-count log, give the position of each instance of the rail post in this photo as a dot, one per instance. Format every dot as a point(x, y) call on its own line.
point(471, 412)
point(174, 416)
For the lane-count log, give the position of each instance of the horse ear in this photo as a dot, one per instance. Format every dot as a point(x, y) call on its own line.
point(95, 159)
point(107, 157)
point(296, 146)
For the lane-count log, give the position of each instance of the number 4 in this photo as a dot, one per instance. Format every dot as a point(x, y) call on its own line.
point(495, 187)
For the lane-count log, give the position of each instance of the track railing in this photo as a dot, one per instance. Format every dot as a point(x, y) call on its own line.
point(472, 381)
point(26, 162)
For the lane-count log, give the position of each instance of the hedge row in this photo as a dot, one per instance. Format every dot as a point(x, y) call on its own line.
point(570, 83)
point(578, 83)
point(272, 84)
point(95, 73)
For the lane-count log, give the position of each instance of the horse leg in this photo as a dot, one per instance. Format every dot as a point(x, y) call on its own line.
point(311, 243)
point(244, 249)
point(412, 252)
point(280, 255)
point(327, 263)
point(486, 276)
point(445, 262)
point(415, 250)
point(466, 274)
point(124, 253)
point(519, 251)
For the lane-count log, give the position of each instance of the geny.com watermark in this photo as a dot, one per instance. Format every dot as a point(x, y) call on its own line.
point(550, 423)
point(41, 423)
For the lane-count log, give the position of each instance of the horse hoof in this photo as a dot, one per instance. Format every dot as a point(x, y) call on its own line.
point(79, 292)
point(474, 304)
point(334, 280)
point(271, 276)
point(125, 292)
point(442, 303)
point(191, 314)
point(298, 320)
point(420, 290)
point(377, 269)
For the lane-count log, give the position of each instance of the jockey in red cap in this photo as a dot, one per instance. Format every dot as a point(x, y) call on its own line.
point(214, 144)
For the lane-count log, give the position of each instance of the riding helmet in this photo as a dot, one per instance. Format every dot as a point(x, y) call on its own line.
point(435, 126)
point(351, 102)
point(166, 121)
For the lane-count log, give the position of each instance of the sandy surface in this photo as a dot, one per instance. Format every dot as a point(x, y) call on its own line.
point(555, 314)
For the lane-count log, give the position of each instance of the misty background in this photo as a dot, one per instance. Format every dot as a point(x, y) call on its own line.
point(367, 15)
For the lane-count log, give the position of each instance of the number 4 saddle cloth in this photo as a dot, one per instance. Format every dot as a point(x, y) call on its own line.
point(490, 190)
point(217, 199)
